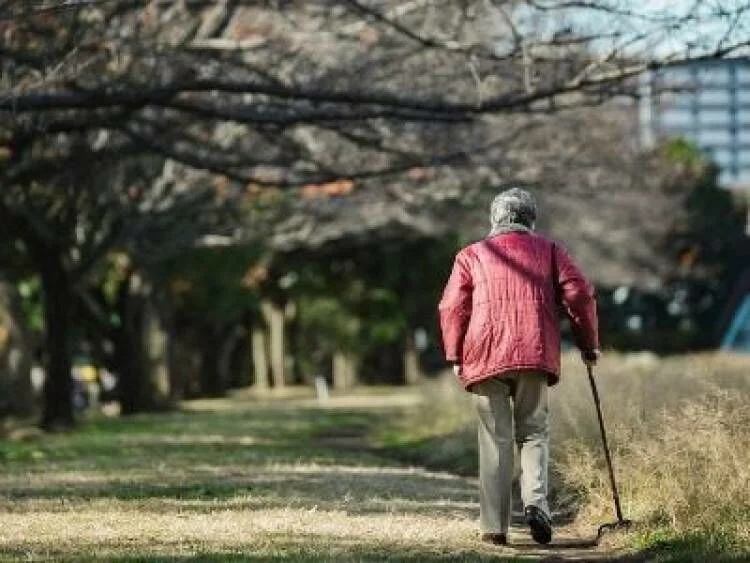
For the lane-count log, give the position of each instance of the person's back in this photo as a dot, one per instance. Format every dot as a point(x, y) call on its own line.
point(519, 280)
point(499, 319)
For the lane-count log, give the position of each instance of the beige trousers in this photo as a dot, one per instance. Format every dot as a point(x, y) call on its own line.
point(517, 400)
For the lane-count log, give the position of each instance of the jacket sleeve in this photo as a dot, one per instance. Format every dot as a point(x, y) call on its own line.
point(455, 308)
point(577, 297)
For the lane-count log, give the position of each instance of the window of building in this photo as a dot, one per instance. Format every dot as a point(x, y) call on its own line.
point(721, 157)
point(742, 117)
point(743, 158)
point(715, 137)
point(716, 76)
point(743, 75)
point(675, 78)
point(715, 97)
point(715, 117)
point(674, 118)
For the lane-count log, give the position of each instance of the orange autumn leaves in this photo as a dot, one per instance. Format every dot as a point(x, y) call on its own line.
point(336, 188)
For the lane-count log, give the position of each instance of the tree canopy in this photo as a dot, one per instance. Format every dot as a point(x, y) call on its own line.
point(147, 127)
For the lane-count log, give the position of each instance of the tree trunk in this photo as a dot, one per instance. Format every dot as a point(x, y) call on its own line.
point(177, 365)
point(275, 318)
point(141, 351)
point(412, 372)
point(228, 345)
point(344, 370)
point(294, 372)
point(15, 357)
point(211, 384)
point(157, 357)
point(260, 358)
point(58, 384)
point(129, 347)
point(239, 360)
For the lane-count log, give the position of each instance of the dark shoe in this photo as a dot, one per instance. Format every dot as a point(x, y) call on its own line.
point(540, 524)
point(495, 539)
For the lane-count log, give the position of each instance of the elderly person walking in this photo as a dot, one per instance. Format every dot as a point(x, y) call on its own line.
point(500, 325)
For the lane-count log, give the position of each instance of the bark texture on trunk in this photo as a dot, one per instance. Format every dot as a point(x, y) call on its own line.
point(260, 358)
point(58, 384)
point(141, 351)
point(344, 370)
point(274, 316)
point(211, 383)
point(157, 356)
point(15, 356)
point(412, 371)
point(229, 344)
point(176, 365)
point(131, 379)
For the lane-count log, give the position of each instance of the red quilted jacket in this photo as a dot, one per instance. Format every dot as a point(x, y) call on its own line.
point(499, 310)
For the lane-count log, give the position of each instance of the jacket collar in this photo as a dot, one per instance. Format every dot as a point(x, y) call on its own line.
point(509, 228)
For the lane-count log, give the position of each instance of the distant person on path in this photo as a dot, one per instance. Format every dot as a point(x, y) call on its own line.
point(500, 324)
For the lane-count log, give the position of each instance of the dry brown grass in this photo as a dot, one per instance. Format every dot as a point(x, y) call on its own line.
point(679, 436)
point(678, 429)
point(636, 388)
point(688, 469)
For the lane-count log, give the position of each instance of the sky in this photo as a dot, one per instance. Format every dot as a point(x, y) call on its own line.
point(656, 28)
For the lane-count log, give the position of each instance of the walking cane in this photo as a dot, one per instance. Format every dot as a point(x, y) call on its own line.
point(621, 522)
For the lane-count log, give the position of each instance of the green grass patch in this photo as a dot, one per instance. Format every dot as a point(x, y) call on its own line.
point(664, 545)
point(455, 452)
point(184, 438)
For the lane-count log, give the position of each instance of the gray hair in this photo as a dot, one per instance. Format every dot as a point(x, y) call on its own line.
point(513, 209)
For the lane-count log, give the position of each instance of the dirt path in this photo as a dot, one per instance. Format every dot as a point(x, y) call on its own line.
point(570, 543)
point(243, 482)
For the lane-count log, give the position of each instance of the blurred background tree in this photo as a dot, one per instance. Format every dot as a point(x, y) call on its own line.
point(202, 187)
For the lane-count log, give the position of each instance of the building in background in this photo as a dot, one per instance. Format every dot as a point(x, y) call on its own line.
point(708, 103)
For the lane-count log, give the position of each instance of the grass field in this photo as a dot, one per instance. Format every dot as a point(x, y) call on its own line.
point(678, 428)
point(235, 480)
point(385, 475)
